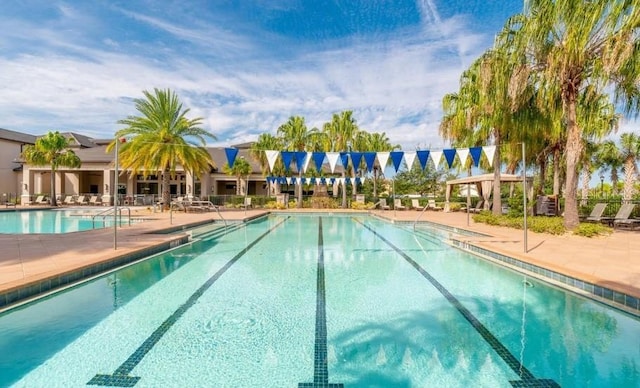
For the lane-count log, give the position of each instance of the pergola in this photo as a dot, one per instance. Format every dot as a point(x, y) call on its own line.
point(484, 185)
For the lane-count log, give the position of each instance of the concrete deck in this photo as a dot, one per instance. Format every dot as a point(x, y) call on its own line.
point(612, 261)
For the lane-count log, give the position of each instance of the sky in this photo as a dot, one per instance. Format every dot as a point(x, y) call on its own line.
point(245, 67)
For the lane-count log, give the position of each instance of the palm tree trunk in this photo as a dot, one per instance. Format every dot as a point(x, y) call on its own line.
point(53, 187)
point(556, 171)
point(166, 192)
point(497, 200)
point(586, 177)
point(629, 173)
point(299, 205)
point(543, 175)
point(344, 191)
point(572, 154)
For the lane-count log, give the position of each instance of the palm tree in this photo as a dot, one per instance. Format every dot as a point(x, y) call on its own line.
point(162, 138)
point(340, 135)
point(241, 168)
point(630, 151)
point(266, 142)
point(51, 149)
point(296, 137)
point(570, 45)
point(610, 158)
point(377, 142)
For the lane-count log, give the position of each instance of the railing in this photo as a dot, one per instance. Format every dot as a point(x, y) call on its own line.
point(111, 211)
point(424, 209)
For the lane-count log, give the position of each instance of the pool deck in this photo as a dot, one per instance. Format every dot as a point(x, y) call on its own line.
point(612, 261)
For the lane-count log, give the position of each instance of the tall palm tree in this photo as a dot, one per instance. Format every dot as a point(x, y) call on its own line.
point(51, 149)
point(340, 135)
point(630, 150)
point(295, 136)
point(162, 137)
point(610, 158)
point(570, 45)
point(377, 142)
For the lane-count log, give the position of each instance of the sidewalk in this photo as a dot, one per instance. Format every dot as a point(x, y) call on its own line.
point(611, 262)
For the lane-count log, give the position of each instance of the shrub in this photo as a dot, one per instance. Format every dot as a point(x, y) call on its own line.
point(552, 225)
point(586, 229)
point(362, 206)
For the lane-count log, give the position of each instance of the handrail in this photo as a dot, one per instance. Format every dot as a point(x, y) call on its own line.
point(110, 211)
point(217, 209)
point(424, 209)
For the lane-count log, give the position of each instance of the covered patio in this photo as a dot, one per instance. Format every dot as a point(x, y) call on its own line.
point(484, 186)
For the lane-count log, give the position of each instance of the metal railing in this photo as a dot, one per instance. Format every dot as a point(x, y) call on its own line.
point(424, 209)
point(111, 211)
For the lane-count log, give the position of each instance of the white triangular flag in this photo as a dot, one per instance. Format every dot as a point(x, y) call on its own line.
point(288, 180)
point(489, 151)
point(383, 158)
point(463, 153)
point(307, 160)
point(409, 157)
point(436, 156)
point(272, 156)
point(332, 157)
point(362, 179)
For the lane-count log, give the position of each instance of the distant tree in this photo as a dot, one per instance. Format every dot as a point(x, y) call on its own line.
point(51, 149)
point(241, 168)
point(418, 181)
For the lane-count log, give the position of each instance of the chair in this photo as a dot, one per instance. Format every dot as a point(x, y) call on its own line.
point(415, 204)
point(479, 207)
point(596, 213)
point(247, 203)
point(69, 200)
point(94, 200)
point(383, 204)
point(82, 200)
point(397, 204)
point(431, 205)
point(40, 200)
point(622, 217)
point(360, 198)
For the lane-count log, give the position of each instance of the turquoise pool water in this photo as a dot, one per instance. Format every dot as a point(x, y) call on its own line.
point(310, 301)
point(52, 221)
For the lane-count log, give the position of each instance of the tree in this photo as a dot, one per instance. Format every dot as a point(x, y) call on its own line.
point(51, 149)
point(296, 137)
point(266, 142)
point(630, 151)
point(162, 137)
point(241, 168)
point(340, 135)
point(376, 142)
point(570, 45)
point(609, 158)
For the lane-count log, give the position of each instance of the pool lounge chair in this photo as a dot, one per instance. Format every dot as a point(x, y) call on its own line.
point(40, 200)
point(94, 200)
point(431, 205)
point(397, 204)
point(383, 204)
point(69, 200)
point(596, 214)
point(415, 204)
point(479, 207)
point(247, 203)
point(622, 219)
point(82, 200)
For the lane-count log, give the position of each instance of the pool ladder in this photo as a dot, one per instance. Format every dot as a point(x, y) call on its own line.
point(419, 216)
point(110, 211)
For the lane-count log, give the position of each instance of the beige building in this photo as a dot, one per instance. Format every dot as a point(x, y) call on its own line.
point(95, 177)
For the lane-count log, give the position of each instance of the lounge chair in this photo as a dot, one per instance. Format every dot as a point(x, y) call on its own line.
point(596, 214)
point(383, 204)
point(479, 207)
point(94, 200)
point(415, 204)
point(69, 200)
point(82, 200)
point(247, 203)
point(397, 204)
point(431, 205)
point(40, 200)
point(622, 217)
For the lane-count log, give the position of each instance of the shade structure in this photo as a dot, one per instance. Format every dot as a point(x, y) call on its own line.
point(483, 184)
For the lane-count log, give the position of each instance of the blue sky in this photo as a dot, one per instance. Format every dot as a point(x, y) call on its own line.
point(244, 66)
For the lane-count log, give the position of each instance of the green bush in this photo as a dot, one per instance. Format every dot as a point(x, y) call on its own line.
point(362, 206)
point(586, 229)
point(552, 225)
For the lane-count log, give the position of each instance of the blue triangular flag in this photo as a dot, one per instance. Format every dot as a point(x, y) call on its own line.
point(344, 157)
point(231, 155)
point(312, 180)
point(347, 180)
point(318, 159)
point(300, 157)
point(332, 180)
point(287, 156)
point(282, 180)
point(449, 155)
point(475, 152)
point(293, 180)
point(303, 180)
point(357, 180)
point(396, 157)
point(423, 157)
point(270, 179)
point(370, 160)
point(356, 158)
point(323, 181)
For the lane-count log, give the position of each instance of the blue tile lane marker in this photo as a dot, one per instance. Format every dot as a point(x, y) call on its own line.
point(527, 378)
point(121, 377)
point(320, 368)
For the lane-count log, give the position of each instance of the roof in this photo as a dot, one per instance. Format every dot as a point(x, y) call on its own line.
point(81, 140)
point(486, 177)
point(19, 137)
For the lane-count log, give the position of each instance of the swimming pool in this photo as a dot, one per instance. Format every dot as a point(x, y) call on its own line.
point(53, 221)
point(312, 301)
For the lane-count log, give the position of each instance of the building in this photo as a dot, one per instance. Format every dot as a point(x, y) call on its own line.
point(95, 177)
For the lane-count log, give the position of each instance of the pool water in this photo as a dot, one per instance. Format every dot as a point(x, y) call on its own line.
point(53, 221)
point(317, 301)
